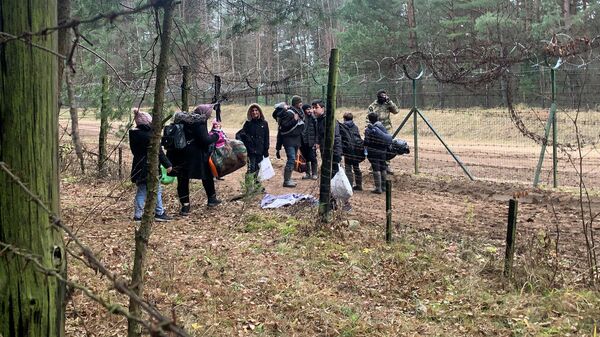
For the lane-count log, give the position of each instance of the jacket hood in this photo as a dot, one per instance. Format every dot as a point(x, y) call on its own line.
point(249, 113)
point(349, 123)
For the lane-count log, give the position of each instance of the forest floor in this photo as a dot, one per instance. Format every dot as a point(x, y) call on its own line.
point(237, 269)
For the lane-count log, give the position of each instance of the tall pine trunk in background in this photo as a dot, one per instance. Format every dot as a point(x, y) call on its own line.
point(31, 304)
point(142, 234)
point(74, 121)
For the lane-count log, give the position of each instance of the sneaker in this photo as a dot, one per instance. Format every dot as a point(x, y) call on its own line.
point(185, 210)
point(162, 218)
point(137, 218)
point(212, 202)
point(314, 177)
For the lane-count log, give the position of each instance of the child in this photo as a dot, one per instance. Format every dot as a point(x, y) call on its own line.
point(353, 151)
point(216, 130)
point(139, 139)
point(377, 140)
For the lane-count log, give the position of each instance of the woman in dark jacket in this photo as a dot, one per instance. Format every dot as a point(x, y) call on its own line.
point(139, 139)
point(255, 135)
point(191, 162)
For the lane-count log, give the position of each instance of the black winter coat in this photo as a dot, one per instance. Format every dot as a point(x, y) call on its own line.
point(290, 130)
point(255, 135)
point(337, 140)
point(309, 136)
point(192, 161)
point(139, 140)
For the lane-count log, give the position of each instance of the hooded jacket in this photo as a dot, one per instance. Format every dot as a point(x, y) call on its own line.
point(377, 139)
point(192, 161)
point(139, 140)
point(289, 129)
point(255, 133)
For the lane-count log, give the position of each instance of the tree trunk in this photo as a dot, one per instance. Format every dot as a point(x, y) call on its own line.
point(74, 122)
point(64, 45)
point(412, 26)
point(185, 88)
point(104, 112)
point(325, 187)
point(31, 304)
point(142, 235)
point(567, 13)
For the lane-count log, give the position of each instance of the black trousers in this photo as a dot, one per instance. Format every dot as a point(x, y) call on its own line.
point(183, 189)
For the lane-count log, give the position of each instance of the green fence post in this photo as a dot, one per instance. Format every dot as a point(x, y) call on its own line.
point(415, 126)
point(388, 211)
point(511, 233)
point(554, 134)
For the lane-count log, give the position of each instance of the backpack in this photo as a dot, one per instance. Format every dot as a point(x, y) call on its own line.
point(173, 137)
point(352, 145)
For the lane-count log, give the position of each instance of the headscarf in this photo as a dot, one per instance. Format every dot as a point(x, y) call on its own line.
point(141, 118)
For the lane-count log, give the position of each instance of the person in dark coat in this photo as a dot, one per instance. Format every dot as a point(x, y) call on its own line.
point(139, 140)
point(377, 141)
point(255, 135)
point(191, 162)
point(289, 134)
point(309, 143)
point(319, 112)
point(351, 161)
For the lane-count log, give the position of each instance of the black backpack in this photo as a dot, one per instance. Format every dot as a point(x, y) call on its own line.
point(173, 137)
point(352, 145)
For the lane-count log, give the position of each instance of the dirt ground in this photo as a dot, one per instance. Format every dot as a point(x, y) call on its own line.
point(239, 270)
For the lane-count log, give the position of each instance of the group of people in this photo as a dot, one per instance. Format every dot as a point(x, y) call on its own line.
point(300, 128)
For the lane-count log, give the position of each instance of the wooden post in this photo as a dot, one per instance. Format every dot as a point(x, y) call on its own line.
point(388, 211)
point(104, 112)
point(120, 163)
point(325, 187)
point(185, 88)
point(511, 232)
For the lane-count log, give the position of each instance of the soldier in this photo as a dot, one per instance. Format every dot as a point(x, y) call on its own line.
point(383, 106)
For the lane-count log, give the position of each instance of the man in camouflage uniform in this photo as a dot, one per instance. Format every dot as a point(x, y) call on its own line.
point(383, 106)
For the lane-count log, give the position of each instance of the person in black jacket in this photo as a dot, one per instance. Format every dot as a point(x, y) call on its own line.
point(289, 133)
point(191, 162)
point(255, 135)
point(309, 143)
point(139, 140)
point(319, 112)
point(377, 141)
point(352, 152)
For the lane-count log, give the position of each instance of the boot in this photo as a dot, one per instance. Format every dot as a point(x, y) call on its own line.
point(307, 173)
point(358, 186)
point(287, 178)
point(213, 201)
point(377, 182)
point(315, 169)
point(384, 177)
point(185, 209)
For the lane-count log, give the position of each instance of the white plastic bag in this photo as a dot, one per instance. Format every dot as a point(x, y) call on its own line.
point(266, 171)
point(340, 186)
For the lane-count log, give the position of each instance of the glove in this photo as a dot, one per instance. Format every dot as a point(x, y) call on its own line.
point(278, 154)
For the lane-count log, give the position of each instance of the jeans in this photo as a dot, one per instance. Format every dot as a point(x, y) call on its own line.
point(140, 200)
point(254, 162)
point(290, 152)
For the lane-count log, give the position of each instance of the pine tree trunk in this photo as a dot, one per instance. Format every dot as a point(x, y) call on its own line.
point(104, 112)
point(64, 45)
point(31, 304)
point(74, 122)
point(142, 235)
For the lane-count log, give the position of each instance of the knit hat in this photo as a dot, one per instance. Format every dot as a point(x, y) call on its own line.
point(215, 123)
point(296, 99)
point(141, 118)
point(306, 107)
point(204, 110)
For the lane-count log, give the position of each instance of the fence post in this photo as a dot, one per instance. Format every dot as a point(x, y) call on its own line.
point(388, 211)
point(511, 232)
point(326, 162)
point(120, 152)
